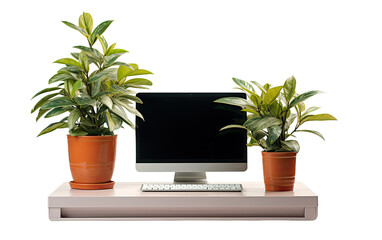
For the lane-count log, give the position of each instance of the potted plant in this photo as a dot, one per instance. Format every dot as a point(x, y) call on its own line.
point(95, 103)
point(270, 125)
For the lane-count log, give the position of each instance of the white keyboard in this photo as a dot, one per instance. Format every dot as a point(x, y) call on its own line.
point(200, 187)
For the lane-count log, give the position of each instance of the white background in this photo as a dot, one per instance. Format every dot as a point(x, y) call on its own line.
point(333, 46)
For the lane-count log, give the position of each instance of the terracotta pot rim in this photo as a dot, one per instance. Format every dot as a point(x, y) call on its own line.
point(106, 136)
point(279, 153)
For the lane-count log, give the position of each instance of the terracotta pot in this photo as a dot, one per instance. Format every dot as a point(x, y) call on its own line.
point(92, 161)
point(279, 170)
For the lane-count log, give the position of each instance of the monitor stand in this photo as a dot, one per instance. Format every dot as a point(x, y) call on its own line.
point(190, 177)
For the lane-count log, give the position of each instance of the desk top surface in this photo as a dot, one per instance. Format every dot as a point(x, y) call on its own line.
point(132, 189)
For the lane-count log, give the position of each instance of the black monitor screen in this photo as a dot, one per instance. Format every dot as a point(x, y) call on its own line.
point(184, 128)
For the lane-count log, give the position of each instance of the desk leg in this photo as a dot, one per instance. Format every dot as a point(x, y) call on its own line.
point(55, 214)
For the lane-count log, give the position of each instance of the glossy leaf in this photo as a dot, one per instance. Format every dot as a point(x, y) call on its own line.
point(68, 61)
point(139, 81)
point(45, 91)
point(103, 44)
point(107, 101)
point(43, 101)
point(257, 123)
point(83, 59)
point(53, 127)
point(133, 98)
point(311, 131)
point(246, 86)
point(129, 108)
point(81, 30)
point(318, 117)
point(110, 122)
point(77, 132)
point(236, 101)
point(55, 112)
point(122, 90)
point(303, 97)
point(77, 85)
point(274, 134)
point(101, 28)
point(309, 110)
point(41, 112)
point(108, 60)
point(272, 94)
point(58, 102)
point(289, 88)
point(60, 77)
point(232, 126)
point(113, 51)
point(292, 144)
point(73, 117)
point(121, 113)
point(259, 86)
point(86, 22)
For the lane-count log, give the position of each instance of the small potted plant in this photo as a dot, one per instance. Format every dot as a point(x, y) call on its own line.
point(270, 125)
point(94, 102)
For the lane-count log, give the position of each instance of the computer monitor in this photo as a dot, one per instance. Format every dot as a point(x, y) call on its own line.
point(181, 134)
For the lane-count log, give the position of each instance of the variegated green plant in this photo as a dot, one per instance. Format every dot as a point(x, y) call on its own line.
point(270, 116)
point(95, 100)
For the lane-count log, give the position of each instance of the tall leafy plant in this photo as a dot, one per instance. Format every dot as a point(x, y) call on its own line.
point(94, 100)
point(275, 115)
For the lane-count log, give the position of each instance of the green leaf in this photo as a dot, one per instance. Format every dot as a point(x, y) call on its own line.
point(290, 120)
point(55, 112)
point(110, 48)
point(123, 71)
point(83, 59)
point(120, 64)
point(129, 108)
point(232, 126)
point(81, 30)
point(139, 81)
point(45, 91)
point(111, 72)
point(53, 127)
point(41, 112)
point(257, 123)
point(236, 101)
point(246, 86)
point(101, 28)
point(77, 132)
point(311, 131)
point(71, 69)
point(258, 135)
point(309, 110)
point(292, 144)
point(60, 77)
point(259, 86)
point(318, 117)
point(86, 22)
point(43, 101)
point(113, 51)
point(73, 117)
point(121, 89)
point(85, 100)
point(68, 61)
point(117, 109)
point(289, 88)
point(274, 134)
point(108, 60)
point(303, 97)
point(133, 98)
point(106, 100)
point(77, 85)
point(103, 44)
point(58, 102)
point(272, 94)
point(110, 122)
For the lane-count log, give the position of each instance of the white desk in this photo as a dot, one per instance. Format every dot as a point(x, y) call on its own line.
point(127, 202)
